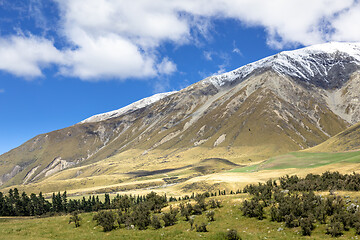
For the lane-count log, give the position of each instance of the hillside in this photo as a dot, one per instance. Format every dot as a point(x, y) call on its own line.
point(287, 102)
point(348, 140)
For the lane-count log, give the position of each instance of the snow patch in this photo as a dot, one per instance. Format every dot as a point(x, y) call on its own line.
point(129, 108)
point(302, 63)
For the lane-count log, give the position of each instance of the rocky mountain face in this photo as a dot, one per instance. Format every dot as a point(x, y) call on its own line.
point(286, 102)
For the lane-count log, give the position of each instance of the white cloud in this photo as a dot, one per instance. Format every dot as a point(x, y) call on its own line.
point(166, 67)
point(108, 57)
point(26, 56)
point(344, 25)
point(2, 90)
point(237, 51)
point(120, 38)
point(208, 55)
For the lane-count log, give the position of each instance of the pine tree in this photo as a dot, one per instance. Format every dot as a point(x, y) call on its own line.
point(64, 202)
point(107, 201)
point(2, 204)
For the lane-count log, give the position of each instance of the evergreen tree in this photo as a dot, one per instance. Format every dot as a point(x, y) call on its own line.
point(2, 204)
point(64, 202)
point(107, 201)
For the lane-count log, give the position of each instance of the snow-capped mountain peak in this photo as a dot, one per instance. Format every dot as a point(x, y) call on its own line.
point(326, 65)
point(129, 108)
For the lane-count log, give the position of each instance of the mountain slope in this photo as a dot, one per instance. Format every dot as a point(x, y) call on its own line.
point(286, 102)
point(348, 140)
point(130, 108)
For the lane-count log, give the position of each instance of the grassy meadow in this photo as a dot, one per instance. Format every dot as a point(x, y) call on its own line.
point(227, 217)
point(301, 160)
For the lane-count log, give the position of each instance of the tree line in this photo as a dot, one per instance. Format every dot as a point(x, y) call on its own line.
point(16, 204)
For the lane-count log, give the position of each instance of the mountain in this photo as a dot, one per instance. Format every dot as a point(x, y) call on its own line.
point(287, 102)
point(129, 108)
point(348, 140)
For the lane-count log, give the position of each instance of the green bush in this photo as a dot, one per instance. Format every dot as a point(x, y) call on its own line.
point(307, 226)
point(106, 219)
point(201, 227)
point(232, 235)
point(170, 217)
point(334, 228)
point(210, 215)
point(155, 222)
point(75, 219)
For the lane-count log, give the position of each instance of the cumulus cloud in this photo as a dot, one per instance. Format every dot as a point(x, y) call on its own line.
point(26, 56)
point(120, 38)
point(166, 67)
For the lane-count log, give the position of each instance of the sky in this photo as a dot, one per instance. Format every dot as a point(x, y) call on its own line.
point(62, 61)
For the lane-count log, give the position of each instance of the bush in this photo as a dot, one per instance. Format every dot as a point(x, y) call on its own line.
point(210, 215)
point(201, 227)
point(291, 221)
point(75, 219)
point(197, 210)
point(253, 208)
point(357, 228)
point(214, 203)
point(106, 219)
point(185, 211)
point(170, 217)
point(307, 226)
point(334, 229)
point(232, 235)
point(155, 222)
point(191, 221)
point(141, 216)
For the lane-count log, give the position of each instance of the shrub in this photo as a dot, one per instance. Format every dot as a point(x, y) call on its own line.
point(141, 216)
point(201, 227)
point(307, 226)
point(185, 211)
point(170, 217)
point(253, 208)
point(232, 235)
point(210, 215)
point(155, 222)
point(214, 203)
point(197, 210)
point(106, 219)
point(191, 221)
point(200, 200)
point(334, 228)
point(357, 228)
point(75, 219)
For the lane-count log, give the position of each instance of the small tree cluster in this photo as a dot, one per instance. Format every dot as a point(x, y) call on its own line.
point(170, 218)
point(253, 208)
point(304, 208)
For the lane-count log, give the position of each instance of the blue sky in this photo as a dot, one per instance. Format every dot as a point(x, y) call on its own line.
point(62, 61)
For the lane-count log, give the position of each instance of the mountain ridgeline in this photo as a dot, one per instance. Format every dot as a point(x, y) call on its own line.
point(287, 102)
